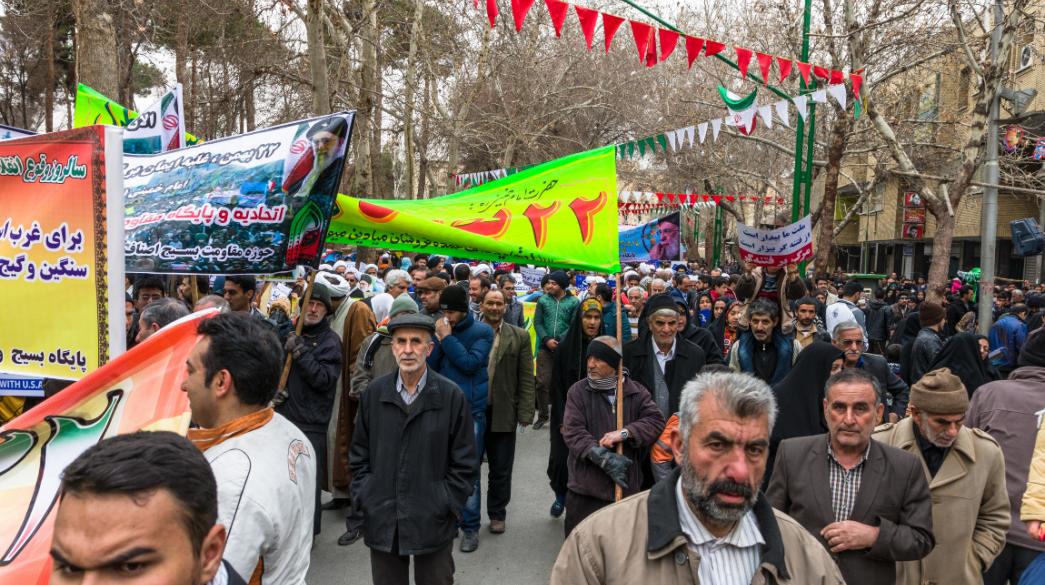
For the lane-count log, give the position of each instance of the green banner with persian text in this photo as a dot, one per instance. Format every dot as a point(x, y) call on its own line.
point(93, 108)
point(562, 213)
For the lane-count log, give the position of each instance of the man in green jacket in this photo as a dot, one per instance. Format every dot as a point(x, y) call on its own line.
point(555, 309)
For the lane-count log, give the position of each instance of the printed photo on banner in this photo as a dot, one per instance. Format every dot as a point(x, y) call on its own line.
point(914, 215)
point(912, 199)
point(913, 231)
point(12, 133)
point(257, 203)
point(61, 253)
point(778, 247)
point(656, 240)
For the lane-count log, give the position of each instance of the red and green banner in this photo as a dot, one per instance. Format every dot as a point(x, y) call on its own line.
point(562, 213)
point(141, 389)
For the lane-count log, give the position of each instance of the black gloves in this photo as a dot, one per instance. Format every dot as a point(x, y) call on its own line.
point(614, 464)
point(295, 345)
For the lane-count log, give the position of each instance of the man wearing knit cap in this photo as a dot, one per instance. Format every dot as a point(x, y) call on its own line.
point(966, 473)
point(555, 309)
point(462, 354)
point(929, 341)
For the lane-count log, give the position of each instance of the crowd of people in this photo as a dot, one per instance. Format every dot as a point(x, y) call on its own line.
point(778, 427)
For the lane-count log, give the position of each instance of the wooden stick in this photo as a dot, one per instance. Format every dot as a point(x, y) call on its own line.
point(618, 493)
point(194, 290)
point(297, 330)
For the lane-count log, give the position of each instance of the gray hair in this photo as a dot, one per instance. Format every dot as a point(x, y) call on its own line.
point(845, 326)
point(741, 394)
point(163, 312)
point(661, 281)
point(396, 276)
point(854, 376)
point(215, 301)
point(642, 293)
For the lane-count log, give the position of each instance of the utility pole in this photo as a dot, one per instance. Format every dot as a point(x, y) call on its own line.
point(989, 239)
point(800, 128)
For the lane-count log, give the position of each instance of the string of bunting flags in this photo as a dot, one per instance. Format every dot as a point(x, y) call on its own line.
point(646, 201)
point(655, 45)
point(465, 180)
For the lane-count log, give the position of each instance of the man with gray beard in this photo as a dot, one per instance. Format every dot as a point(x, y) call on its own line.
point(707, 518)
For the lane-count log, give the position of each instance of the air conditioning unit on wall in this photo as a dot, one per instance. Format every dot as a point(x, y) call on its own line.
point(1026, 57)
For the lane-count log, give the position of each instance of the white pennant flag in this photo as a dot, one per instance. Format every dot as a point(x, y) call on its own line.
point(671, 141)
point(837, 91)
point(680, 137)
point(716, 126)
point(766, 113)
point(689, 134)
point(702, 129)
point(820, 96)
point(801, 102)
point(782, 113)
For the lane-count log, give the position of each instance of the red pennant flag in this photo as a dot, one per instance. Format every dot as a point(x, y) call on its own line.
point(693, 47)
point(671, 198)
point(730, 198)
point(557, 10)
point(821, 72)
point(803, 68)
point(477, 3)
point(837, 77)
point(712, 48)
point(588, 18)
point(717, 199)
point(706, 198)
point(643, 34)
point(519, 10)
point(743, 60)
point(784, 65)
point(660, 198)
point(858, 81)
point(491, 11)
point(610, 24)
point(764, 63)
point(668, 40)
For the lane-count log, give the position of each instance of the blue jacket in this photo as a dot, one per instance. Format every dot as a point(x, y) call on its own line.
point(609, 323)
point(785, 348)
point(1008, 332)
point(464, 357)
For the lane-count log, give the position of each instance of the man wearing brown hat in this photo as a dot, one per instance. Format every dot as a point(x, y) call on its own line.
point(428, 292)
point(966, 473)
point(929, 341)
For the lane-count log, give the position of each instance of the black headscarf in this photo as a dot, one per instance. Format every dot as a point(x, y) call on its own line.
point(908, 329)
point(718, 325)
point(800, 395)
point(961, 354)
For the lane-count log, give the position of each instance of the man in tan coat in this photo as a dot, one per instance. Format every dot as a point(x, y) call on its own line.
point(705, 523)
point(966, 473)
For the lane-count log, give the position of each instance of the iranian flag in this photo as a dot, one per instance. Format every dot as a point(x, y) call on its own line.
point(300, 161)
point(158, 128)
point(742, 110)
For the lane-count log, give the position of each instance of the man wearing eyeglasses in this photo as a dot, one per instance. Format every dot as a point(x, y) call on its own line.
point(667, 246)
point(848, 336)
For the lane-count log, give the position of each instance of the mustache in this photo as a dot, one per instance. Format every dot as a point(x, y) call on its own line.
point(728, 486)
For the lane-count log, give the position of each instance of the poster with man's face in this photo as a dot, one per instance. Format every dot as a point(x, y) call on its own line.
point(656, 240)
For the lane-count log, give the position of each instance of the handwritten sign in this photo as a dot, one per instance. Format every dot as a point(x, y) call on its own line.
point(61, 261)
point(790, 244)
point(258, 203)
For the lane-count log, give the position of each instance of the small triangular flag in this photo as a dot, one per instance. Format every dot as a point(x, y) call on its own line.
point(716, 126)
point(837, 77)
point(642, 148)
point(743, 60)
point(519, 10)
point(821, 72)
point(857, 81)
point(663, 141)
point(491, 11)
point(712, 48)
point(838, 92)
point(804, 68)
point(631, 149)
point(689, 134)
point(693, 47)
point(643, 34)
point(668, 39)
point(702, 130)
point(610, 24)
point(782, 113)
point(557, 10)
point(652, 145)
point(801, 102)
point(588, 18)
point(765, 62)
point(819, 96)
point(766, 113)
point(671, 141)
point(784, 65)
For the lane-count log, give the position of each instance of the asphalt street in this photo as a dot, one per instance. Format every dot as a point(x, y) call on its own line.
point(523, 554)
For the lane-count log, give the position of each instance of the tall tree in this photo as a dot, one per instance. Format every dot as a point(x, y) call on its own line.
point(96, 63)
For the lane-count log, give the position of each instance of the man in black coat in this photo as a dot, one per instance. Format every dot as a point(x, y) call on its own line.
point(659, 359)
point(413, 462)
point(865, 501)
point(312, 384)
point(848, 337)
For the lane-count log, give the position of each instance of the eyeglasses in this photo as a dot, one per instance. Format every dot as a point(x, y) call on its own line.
point(852, 342)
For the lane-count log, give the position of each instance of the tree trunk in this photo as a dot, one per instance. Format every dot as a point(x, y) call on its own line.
point(49, 70)
point(408, 98)
point(363, 184)
point(377, 115)
point(423, 140)
point(835, 152)
point(453, 148)
point(181, 63)
point(96, 64)
point(941, 240)
point(318, 58)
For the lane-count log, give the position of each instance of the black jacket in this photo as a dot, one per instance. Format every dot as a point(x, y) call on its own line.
point(956, 309)
point(877, 320)
point(891, 384)
point(312, 384)
point(412, 466)
point(689, 359)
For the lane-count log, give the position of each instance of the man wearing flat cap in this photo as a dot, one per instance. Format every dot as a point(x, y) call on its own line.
point(413, 461)
point(966, 473)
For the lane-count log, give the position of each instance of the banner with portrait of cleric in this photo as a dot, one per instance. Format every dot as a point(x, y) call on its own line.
point(656, 240)
point(256, 203)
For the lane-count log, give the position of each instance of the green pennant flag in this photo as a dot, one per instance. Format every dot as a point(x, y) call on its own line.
point(642, 148)
point(651, 143)
point(93, 108)
point(631, 149)
point(562, 213)
point(663, 140)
